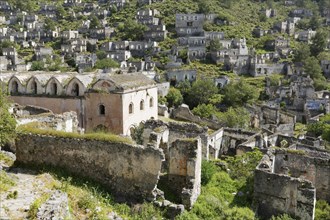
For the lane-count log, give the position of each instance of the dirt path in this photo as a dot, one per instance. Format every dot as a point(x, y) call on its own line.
point(29, 187)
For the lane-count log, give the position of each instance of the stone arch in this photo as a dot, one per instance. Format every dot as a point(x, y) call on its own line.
point(15, 86)
point(33, 86)
point(54, 87)
point(75, 88)
point(104, 85)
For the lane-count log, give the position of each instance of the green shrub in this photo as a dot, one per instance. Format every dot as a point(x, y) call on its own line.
point(208, 170)
point(322, 210)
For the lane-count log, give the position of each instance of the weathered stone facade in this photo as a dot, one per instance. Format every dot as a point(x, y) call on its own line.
point(130, 172)
point(184, 173)
point(110, 102)
point(289, 181)
point(182, 146)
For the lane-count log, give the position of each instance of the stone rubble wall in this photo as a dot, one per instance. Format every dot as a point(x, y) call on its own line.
point(277, 193)
point(184, 171)
point(314, 169)
point(183, 113)
point(130, 172)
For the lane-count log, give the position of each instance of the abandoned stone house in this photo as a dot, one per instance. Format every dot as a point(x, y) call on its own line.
point(111, 102)
point(285, 27)
point(305, 36)
point(74, 46)
point(290, 180)
point(189, 24)
point(177, 76)
point(301, 12)
point(262, 65)
point(70, 3)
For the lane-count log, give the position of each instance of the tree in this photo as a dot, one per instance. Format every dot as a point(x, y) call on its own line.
point(7, 122)
point(205, 111)
point(174, 97)
point(237, 94)
point(101, 54)
point(131, 30)
point(50, 25)
point(184, 88)
point(215, 45)
point(95, 23)
point(315, 22)
point(313, 68)
point(319, 42)
point(200, 93)
point(37, 65)
point(235, 117)
point(106, 64)
point(301, 52)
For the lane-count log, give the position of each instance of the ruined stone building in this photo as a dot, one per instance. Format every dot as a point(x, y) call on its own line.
point(111, 102)
point(290, 180)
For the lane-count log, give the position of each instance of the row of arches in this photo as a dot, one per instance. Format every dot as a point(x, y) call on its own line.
point(52, 87)
point(142, 105)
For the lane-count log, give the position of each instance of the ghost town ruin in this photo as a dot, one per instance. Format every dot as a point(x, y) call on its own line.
point(95, 76)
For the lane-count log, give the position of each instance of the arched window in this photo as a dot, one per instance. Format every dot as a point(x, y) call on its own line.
point(75, 89)
point(101, 109)
point(14, 87)
point(34, 88)
point(54, 89)
point(142, 105)
point(130, 108)
point(151, 102)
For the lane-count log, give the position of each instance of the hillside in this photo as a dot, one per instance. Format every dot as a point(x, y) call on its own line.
point(257, 69)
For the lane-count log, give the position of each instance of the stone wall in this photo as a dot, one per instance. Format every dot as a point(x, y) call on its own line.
point(183, 113)
point(130, 172)
point(315, 168)
point(184, 173)
point(276, 194)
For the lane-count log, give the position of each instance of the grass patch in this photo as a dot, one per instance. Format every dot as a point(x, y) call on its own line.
point(28, 128)
point(227, 195)
point(12, 195)
point(6, 181)
point(36, 205)
point(88, 199)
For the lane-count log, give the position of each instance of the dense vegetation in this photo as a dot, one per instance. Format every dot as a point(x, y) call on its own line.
point(226, 193)
point(7, 122)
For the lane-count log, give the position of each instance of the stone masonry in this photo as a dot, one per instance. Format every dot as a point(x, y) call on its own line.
point(130, 172)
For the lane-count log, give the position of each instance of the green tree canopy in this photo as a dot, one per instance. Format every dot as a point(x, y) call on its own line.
point(106, 64)
point(174, 97)
point(319, 42)
point(205, 111)
point(237, 94)
point(200, 93)
point(313, 68)
point(131, 30)
point(7, 122)
point(301, 52)
point(235, 117)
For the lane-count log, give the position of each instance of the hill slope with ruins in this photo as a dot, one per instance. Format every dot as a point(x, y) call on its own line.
point(152, 109)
